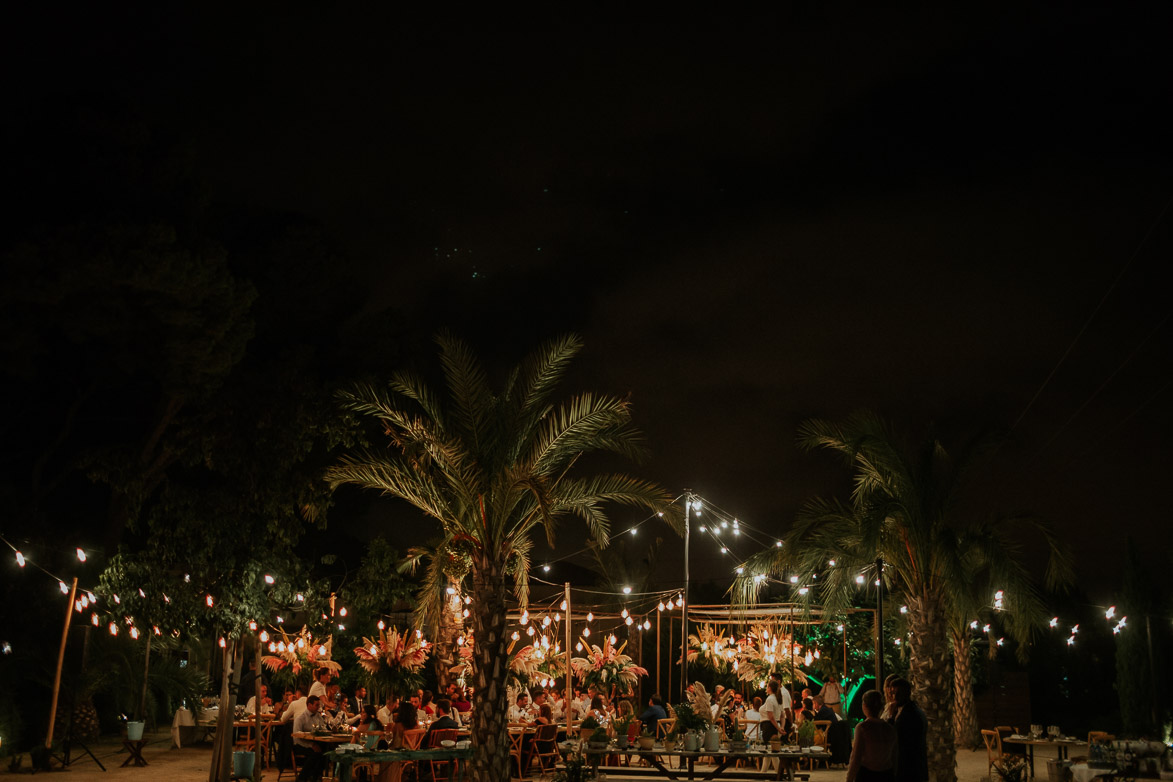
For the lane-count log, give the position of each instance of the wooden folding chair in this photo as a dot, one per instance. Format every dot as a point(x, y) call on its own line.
point(545, 746)
point(663, 728)
point(517, 750)
point(446, 734)
point(993, 742)
point(822, 729)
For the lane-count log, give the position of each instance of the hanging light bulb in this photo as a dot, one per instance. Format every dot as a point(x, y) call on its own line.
point(281, 646)
point(460, 641)
point(81, 555)
point(860, 579)
point(516, 635)
point(134, 633)
point(647, 624)
point(300, 643)
point(113, 629)
point(671, 605)
point(94, 619)
point(628, 621)
point(611, 638)
point(342, 611)
point(545, 621)
point(590, 616)
point(264, 636)
point(20, 559)
point(117, 601)
point(562, 605)
point(529, 631)
point(623, 613)
point(586, 632)
point(209, 601)
point(627, 590)
point(578, 646)
point(382, 625)
point(661, 606)
point(1054, 621)
point(465, 612)
point(323, 650)
point(223, 642)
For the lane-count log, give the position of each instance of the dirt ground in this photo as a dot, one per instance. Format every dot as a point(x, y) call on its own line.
point(190, 764)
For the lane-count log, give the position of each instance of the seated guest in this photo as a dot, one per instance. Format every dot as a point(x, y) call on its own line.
point(387, 712)
point(807, 712)
point(519, 711)
point(406, 718)
point(266, 702)
point(598, 710)
point(753, 720)
point(309, 755)
point(545, 715)
point(558, 706)
point(426, 703)
point(823, 711)
point(443, 721)
point(295, 707)
point(653, 714)
point(461, 702)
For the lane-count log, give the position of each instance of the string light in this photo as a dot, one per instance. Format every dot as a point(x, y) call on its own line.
point(270, 580)
point(64, 589)
point(81, 555)
point(20, 559)
point(382, 625)
point(859, 579)
point(342, 611)
point(627, 590)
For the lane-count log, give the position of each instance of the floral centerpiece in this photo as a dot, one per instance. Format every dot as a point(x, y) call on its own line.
point(711, 647)
point(294, 655)
point(532, 663)
point(606, 667)
point(1011, 768)
point(394, 660)
point(763, 652)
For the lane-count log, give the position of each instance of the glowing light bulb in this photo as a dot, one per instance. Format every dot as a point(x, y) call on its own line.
point(1111, 612)
point(299, 597)
point(134, 633)
point(839, 628)
point(586, 632)
point(739, 570)
point(113, 629)
point(270, 580)
point(20, 559)
point(831, 562)
point(466, 614)
point(562, 605)
point(209, 601)
point(628, 621)
point(264, 636)
point(803, 591)
point(611, 638)
point(1054, 621)
point(627, 590)
point(322, 650)
point(529, 631)
point(64, 589)
point(223, 643)
point(81, 555)
point(381, 625)
point(578, 646)
point(703, 530)
point(859, 579)
point(516, 635)
point(545, 621)
point(661, 606)
point(794, 579)
point(904, 609)
point(724, 550)
point(546, 568)
point(300, 643)
point(590, 617)
point(94, 619)
point(252, 626)
point(777, 544)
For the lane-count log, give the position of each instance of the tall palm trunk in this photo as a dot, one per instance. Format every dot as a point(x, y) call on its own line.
point(932, 681)
point(490, 761)
point(965, 723)
point(451, 628)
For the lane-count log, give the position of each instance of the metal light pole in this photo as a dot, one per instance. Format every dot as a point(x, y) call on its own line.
point(684, 601)
point(880, 623)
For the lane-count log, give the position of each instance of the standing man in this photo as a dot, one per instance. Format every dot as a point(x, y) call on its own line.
point(322, 679)
point(912, 756)
point(832, 695)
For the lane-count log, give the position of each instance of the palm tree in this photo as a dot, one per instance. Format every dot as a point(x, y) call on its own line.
point(902, 512)
point(491, 469)
point(996, 587)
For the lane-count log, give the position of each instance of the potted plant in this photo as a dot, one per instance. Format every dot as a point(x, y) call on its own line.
point(621, 725)
point(689, 724)
point(646, 739)
point(737, 741)
point(576, 769)
point(599, 739)
point(806, 733)
point(669, 741)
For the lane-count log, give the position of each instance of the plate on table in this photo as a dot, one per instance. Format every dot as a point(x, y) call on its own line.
point(447, 743)
point(816, 748)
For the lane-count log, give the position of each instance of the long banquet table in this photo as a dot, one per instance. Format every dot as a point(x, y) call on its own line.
point(725, 762)
point(346, 760)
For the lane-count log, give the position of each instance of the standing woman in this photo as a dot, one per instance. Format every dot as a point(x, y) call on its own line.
point(873, 755)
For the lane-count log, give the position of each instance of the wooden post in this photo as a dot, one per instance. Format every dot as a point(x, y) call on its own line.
point(569, 672)
point(142, 704)
point(257, 707)
point(60, 664)
point(659, 662)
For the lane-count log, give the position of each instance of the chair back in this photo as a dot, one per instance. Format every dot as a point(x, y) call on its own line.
point(993, 744)
point(664, 727)
point(546, 733)
point(1098, 736)
point(413, 737)
point(444, 734)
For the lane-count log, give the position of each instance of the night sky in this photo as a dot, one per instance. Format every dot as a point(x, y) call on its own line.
point(959, 222)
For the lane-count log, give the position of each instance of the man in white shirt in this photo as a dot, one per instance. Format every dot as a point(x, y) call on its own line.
point(753, 719)
point(294, 709)
point(309, 753)
point(387, 713)
point(519, 712)
point(266, 703)
point(833, 696)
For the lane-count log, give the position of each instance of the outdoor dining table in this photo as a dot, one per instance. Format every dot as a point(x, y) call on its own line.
point(1061, 746)
point(346, 760)
point(725, 760)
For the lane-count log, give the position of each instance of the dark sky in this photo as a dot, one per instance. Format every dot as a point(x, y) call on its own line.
point(750, 223)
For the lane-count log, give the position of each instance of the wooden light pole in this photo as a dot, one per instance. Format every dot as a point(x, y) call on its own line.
point(60, 664)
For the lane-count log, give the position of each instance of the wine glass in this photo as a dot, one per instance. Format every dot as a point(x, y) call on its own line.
point(1053, 732)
